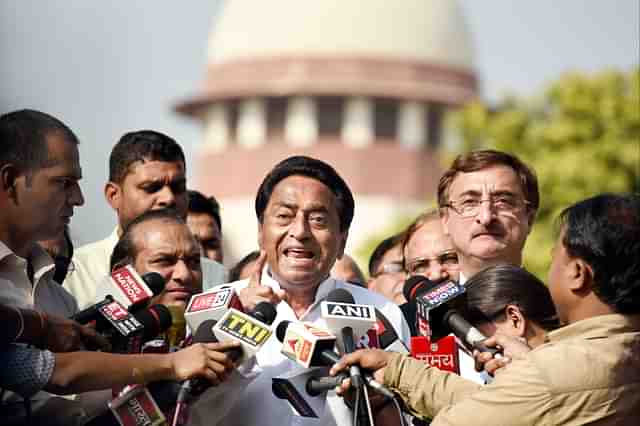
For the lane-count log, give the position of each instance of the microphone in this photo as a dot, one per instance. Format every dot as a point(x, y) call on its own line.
point(139, 289)
point(306, 345)
point(140, 405)
point(441, 305)
point(127, 333)
point(252, 331)
point(211, 304)
point(130, 289)
point(348, 320)
point(263, 312)
point(387, 336)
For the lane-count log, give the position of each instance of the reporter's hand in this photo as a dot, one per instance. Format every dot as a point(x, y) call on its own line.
point(512, 348)
point(370, 359)
point(65, 335)
point(207, 360)
point(255, 292)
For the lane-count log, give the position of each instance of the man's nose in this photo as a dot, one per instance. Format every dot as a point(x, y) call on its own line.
point(166, 197)
point(437, 272)
point(299, 228)
point(485, 213)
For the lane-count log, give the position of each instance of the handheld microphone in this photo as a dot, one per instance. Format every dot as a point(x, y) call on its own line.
point(130, 289)
point(211, 304)
point(304, 344)
point(206, 333)
point(347, 320)
point(127, 333)
point(441, 305)
point(387, 336)
point(140, 405)
point(140, 289)
point(252, 331)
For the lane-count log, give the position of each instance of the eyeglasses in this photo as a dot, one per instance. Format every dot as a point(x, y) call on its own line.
point(501, 204)
point(419, 266)
point(389, 268)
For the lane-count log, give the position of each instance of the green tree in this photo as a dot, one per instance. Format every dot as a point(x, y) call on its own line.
point(581, 136)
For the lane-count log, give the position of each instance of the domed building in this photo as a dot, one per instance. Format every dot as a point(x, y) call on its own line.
point(362, 85)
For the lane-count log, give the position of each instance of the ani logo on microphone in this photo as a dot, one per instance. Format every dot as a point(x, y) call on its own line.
point(349, 310)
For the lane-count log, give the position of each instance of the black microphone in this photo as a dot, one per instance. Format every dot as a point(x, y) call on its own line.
point(321, 355)
point(441, 304)
point(153, 282)
point(340, 295)
point(264, 312)
point(129, 332)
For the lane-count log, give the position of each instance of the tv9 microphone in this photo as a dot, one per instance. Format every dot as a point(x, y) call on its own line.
point(413, 287)
point(350, 322)
point(211, 304)
point(251, 330)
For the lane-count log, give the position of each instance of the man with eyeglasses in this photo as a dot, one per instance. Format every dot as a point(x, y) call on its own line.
point(488, 202)
point(428, 252)
point(386, 269)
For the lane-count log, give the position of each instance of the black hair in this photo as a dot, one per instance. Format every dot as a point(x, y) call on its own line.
point(306, 166)
point(234, 273)
point(143, 145)
point(125, 251)
point(490, 291)
point(382, 249)
point(23, 138)
point(198, 203)
point(604, 231)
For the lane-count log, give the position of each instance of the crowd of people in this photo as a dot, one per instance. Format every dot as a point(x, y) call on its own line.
point(569, 350)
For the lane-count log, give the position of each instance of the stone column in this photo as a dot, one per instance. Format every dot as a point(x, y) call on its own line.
point(357, 124)
point(252, 122)
point(216, 127)
point(412, 124)
point(301, 122)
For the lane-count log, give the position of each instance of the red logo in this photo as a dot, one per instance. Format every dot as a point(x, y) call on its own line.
point(126, 281)
point(115, 311)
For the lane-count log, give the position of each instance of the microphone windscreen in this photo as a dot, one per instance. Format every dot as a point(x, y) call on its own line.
point(265, 312)
point(411, 286)
point(340, 295)
point(154, 281)
point(204, 333)
point(156, 319)
point(281, 329)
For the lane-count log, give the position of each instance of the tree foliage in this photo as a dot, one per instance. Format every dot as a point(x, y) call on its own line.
point(581, 136)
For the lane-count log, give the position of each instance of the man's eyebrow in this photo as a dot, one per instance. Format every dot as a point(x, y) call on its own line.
point(473, 192)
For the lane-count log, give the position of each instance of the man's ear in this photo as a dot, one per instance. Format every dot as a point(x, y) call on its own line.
point(113, 195)
point(582, 276)
point(516, 320)
point(343, 244)
point(444, 220)
point(260, 235)
point(8, 180)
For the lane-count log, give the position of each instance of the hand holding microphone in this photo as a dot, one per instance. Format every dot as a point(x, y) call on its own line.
point(510, 346)
point(374, 360)
point(255, 292)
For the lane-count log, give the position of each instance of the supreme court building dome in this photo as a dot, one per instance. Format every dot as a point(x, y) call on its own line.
point(360, 84)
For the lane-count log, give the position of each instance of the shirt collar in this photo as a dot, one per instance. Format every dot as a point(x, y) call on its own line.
point(322, 291)
point(597, 327)
point(40, 259)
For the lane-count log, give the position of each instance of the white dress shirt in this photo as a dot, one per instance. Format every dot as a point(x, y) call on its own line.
point(255, 403)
